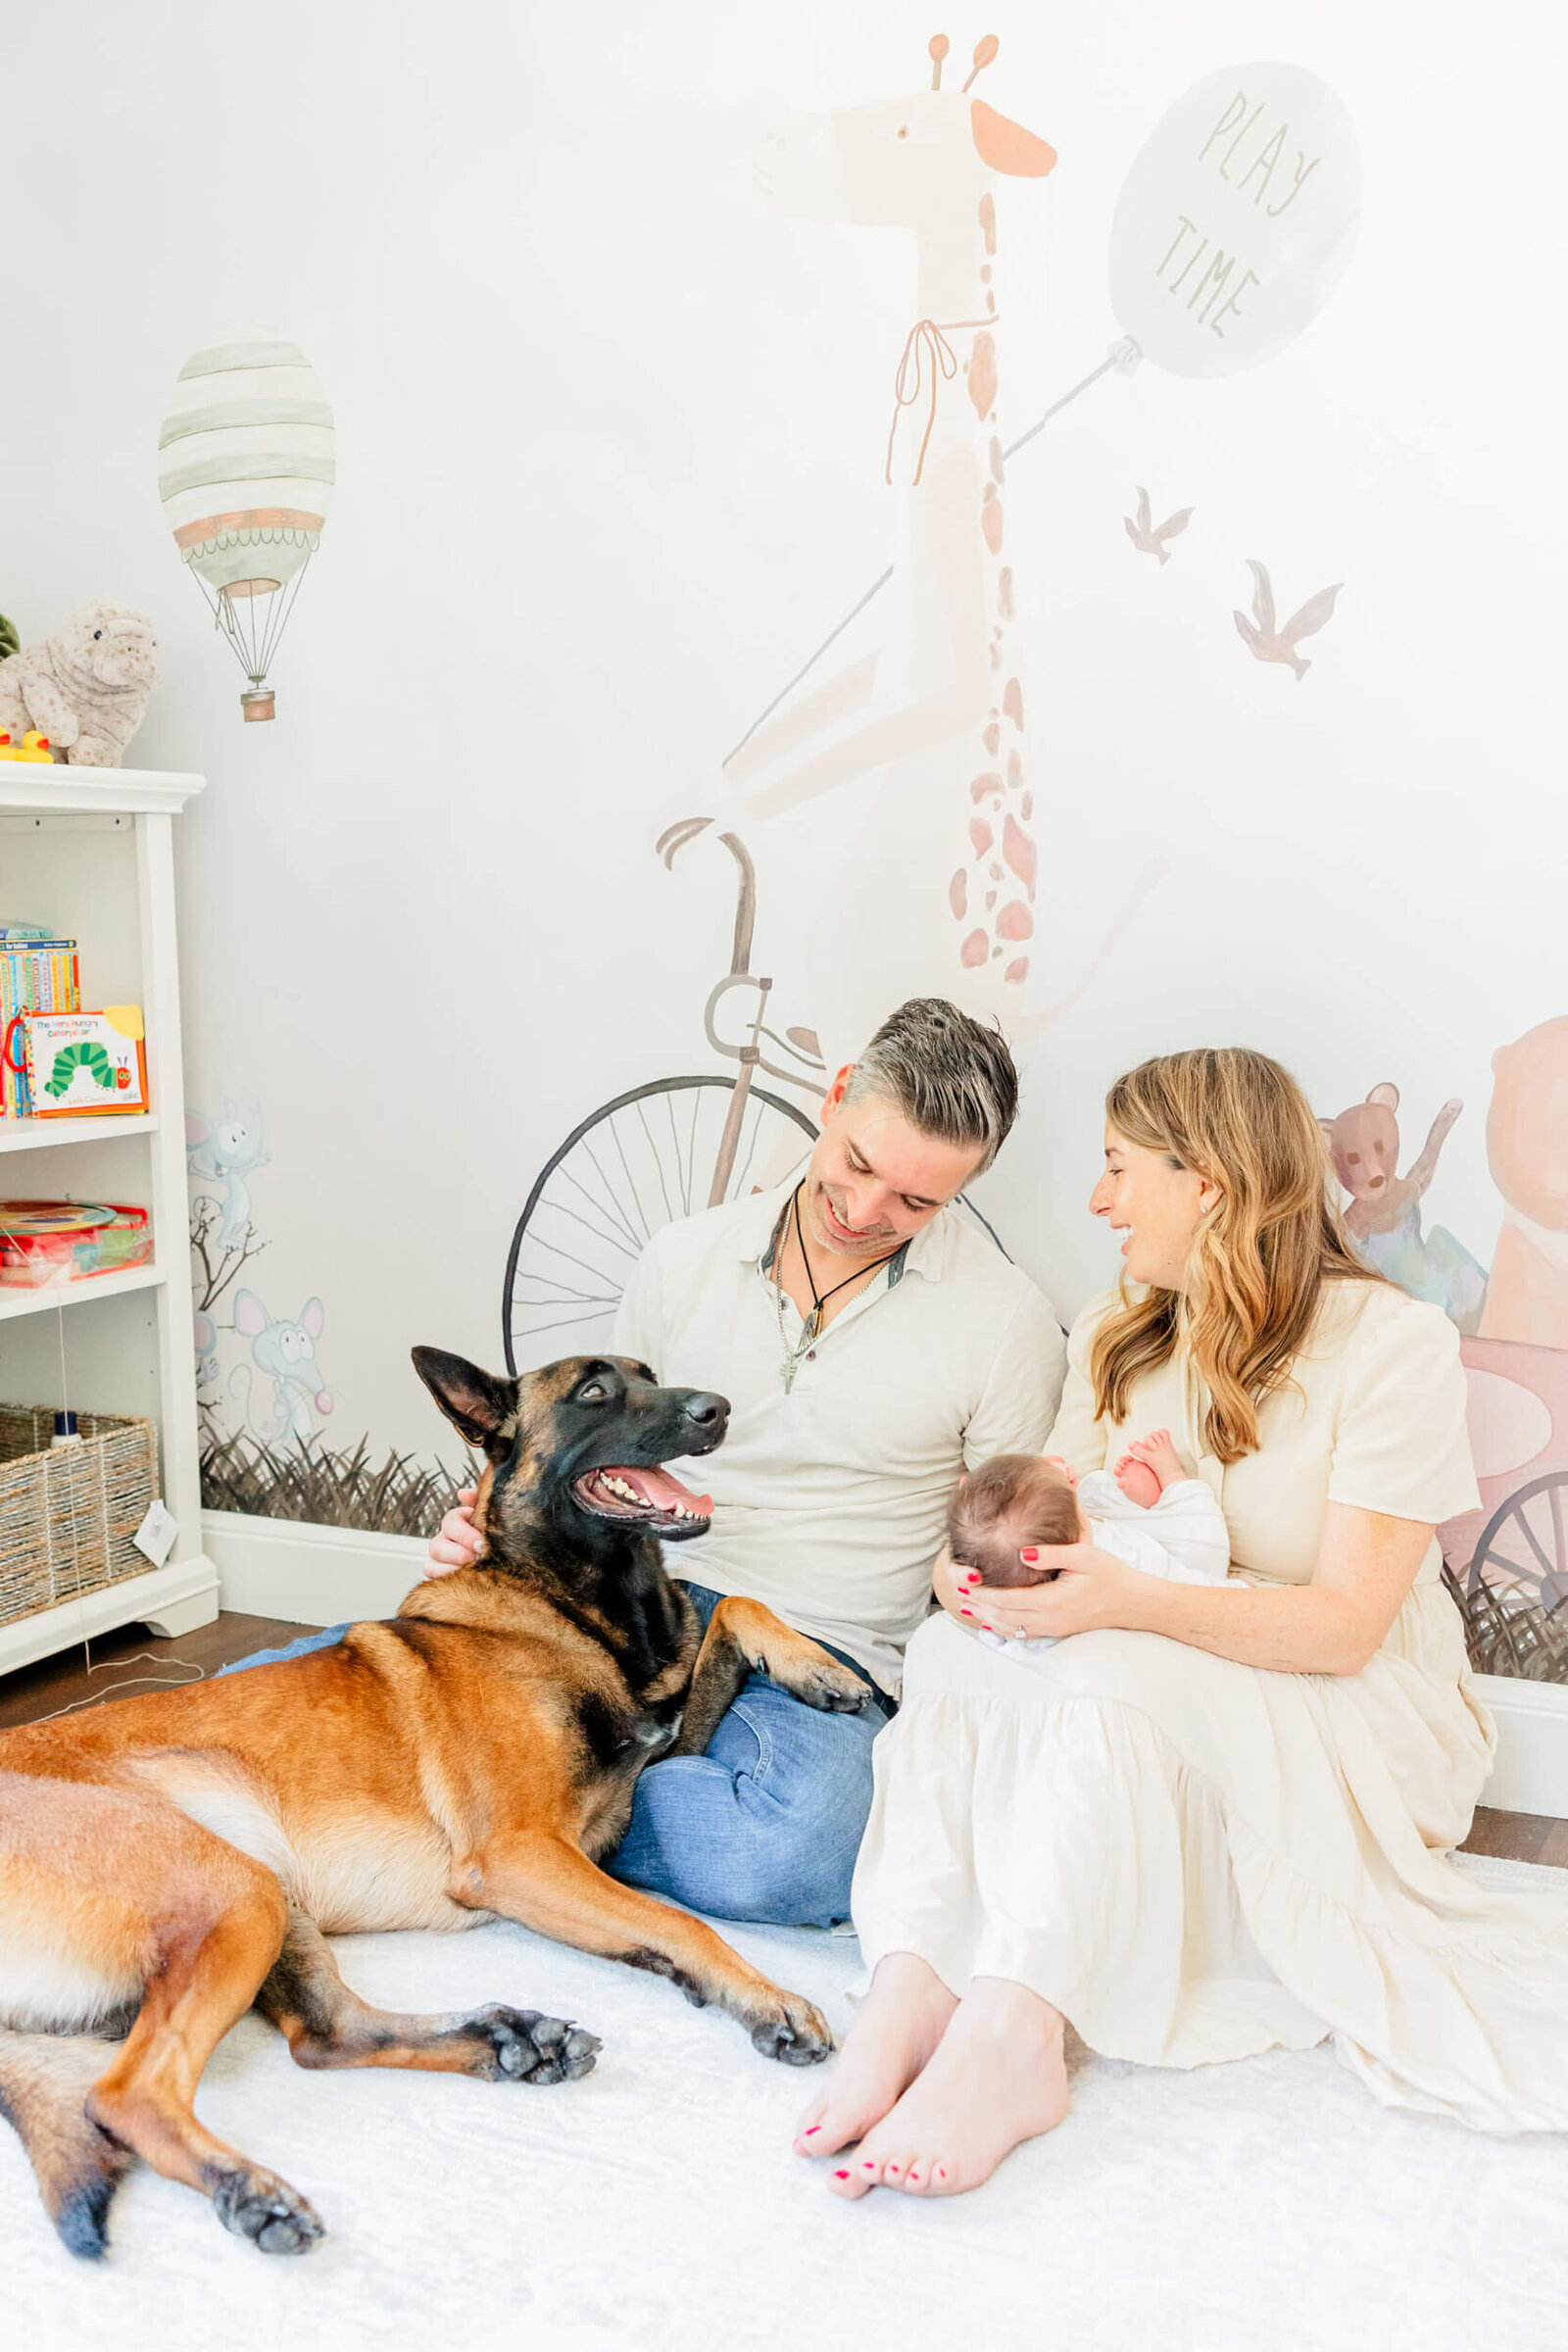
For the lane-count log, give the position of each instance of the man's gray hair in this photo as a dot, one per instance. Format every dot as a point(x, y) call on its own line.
point(949, 1075)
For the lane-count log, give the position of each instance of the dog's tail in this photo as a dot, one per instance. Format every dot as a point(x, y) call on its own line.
point(44, 2081)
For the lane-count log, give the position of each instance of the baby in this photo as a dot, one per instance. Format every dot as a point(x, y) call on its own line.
point(1150, 1513)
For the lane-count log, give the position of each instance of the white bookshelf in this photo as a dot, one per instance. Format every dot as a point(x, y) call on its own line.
point(91, 850)
point(39, 1135)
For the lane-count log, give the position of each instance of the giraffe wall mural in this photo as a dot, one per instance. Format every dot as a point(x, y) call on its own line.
point(936, 713)
point(936, 890)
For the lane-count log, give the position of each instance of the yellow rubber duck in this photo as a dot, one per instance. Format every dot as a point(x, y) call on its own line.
point(32, 745)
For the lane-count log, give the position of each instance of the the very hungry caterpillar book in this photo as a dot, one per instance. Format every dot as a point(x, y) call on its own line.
point(81, 1063)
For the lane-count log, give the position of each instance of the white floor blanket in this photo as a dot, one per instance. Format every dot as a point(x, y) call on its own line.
point(656, 2207)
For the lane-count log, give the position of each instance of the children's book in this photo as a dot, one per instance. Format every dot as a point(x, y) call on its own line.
point(81, 1063)
point(36, 975)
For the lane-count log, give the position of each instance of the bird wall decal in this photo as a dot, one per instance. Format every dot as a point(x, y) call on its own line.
point(1270, 641)
point(1148, 538)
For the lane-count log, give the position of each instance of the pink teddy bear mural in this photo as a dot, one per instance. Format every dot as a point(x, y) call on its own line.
point(1384, 1216)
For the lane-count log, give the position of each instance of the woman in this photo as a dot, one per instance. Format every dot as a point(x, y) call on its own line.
point(1217, 1822)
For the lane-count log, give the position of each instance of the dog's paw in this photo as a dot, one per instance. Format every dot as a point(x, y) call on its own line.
point(791, 2030)
point(522, 2046)
point(260, 2206)
point(830, 1688)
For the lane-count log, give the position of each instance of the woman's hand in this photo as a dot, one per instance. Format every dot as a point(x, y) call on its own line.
point(457, 1543)
point(1089, 1588)
point(946, 1584)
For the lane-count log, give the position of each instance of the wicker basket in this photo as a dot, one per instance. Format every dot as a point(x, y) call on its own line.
point(68, 1514)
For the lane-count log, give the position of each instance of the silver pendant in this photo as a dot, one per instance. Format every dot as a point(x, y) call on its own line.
point(795, 1356)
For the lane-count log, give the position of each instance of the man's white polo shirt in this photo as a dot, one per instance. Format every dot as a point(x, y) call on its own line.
point(831, 1501)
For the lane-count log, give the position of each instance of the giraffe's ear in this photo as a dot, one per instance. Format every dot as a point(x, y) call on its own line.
point(1007, 146)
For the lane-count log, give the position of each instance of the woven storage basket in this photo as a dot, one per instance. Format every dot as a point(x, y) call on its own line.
point(68, 1514)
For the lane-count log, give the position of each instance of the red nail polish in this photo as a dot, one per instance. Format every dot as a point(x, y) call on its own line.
point(894, 2170)
point(914, 2175)
point(966, 1612)
point(868, 2167)
point(942, 2171)
point(809, 2128)
point(841, 2176)
point(1031, 1556)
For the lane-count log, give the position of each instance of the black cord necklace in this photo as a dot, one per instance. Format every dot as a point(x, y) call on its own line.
point(820, 1298)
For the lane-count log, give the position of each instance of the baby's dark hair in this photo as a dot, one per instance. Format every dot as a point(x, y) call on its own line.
point(1014, 1499)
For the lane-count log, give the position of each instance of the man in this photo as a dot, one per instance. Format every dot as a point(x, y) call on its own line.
point(873, 1342)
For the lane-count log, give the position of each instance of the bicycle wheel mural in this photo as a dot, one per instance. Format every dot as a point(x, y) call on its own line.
point(658, 1153)
point(661, 1151)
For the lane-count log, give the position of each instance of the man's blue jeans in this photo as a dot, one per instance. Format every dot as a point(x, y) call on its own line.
point(764, 1826)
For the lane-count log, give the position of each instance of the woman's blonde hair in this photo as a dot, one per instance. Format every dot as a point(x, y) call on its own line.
point(1261, 1253)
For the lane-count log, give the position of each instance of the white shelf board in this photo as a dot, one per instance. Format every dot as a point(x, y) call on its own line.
point(28, 787)
point(75, 1294)
point(175, 1597)
point(32, 1135)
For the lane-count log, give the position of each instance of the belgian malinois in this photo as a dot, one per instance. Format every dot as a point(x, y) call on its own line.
point(167, 1862)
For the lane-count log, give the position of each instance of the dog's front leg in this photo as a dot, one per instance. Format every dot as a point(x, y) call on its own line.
point(549, 1884)
point(325, 2024)
point(743, 1637)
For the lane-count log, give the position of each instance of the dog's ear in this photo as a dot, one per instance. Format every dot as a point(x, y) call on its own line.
point(481, 1406)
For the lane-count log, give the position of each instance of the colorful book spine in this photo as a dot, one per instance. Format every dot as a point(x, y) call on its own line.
point(41, 976)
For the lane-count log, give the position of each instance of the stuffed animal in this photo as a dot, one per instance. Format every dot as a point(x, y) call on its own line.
point(9, 637)
point(1384, 1218)
point(85, 689)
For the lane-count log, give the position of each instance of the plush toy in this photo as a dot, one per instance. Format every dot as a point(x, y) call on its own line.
point(85, 689)
point(9, 637)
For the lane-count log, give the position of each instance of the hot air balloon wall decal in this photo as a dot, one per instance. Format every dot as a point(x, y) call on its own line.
point(245, 472)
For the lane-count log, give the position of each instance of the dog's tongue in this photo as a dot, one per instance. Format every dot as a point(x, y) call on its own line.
point(662, 1492)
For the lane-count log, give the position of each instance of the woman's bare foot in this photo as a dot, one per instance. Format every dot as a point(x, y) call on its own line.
point(999, 2076)
point(894, 2032)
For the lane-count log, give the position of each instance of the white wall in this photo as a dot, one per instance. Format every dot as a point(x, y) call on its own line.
point(611, 448)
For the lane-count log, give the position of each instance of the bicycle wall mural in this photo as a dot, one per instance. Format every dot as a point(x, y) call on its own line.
point(1233, 227)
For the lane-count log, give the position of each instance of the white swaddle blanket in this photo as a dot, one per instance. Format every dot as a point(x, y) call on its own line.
point(1182, 1538)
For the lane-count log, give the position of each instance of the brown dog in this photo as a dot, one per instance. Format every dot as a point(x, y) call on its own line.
point(171, 1860)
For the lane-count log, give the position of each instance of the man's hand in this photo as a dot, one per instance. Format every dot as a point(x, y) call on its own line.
point(457, 1543)
point(1088, 1589)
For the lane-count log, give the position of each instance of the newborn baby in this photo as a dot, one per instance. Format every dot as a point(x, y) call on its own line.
point(1148, 1512)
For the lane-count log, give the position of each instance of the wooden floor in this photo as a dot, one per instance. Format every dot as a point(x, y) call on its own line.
point(62, 1681)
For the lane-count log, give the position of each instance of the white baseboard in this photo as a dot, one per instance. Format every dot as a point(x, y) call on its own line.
point(1530, 1773)
point(310, 1575)
point(322, 1575)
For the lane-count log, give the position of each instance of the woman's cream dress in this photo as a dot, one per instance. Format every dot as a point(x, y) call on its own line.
point(1197, 1860)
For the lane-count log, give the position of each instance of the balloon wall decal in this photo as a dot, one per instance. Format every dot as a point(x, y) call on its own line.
point(1235, 220)
point(245, 472)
